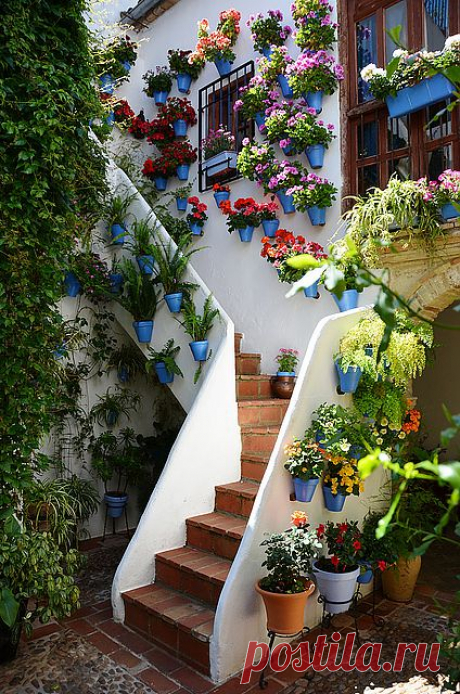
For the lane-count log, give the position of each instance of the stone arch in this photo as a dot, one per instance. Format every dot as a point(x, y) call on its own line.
point(437, 289)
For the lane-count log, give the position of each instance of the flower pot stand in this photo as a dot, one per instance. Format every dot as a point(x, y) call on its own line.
point(263, 682)
point(107, 516)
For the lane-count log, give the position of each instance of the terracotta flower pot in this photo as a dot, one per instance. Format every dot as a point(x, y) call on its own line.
point(399, 581)
point(285, 612)
point(282, 386)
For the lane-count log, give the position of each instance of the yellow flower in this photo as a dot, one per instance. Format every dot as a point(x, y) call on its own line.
point(299, 518)
point(361, 487)
point(379, 441)
point(401, 435)
point(384, 421)
point(304, 469)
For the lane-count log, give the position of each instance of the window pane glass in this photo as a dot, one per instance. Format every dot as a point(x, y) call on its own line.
point(396, 15)
point(368, 139)
point(400, 166)
point(398, 133)
point(439, 160)
point(368, 177)
point(439, 121)
point(366, 47)
point(436, 23)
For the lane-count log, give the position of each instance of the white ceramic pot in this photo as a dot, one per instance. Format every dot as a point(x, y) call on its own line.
point(337, 589)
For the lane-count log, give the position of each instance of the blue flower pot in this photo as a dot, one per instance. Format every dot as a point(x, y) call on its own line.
point(72, 284)
point(260, 119)
point(426, 93)
point(183, 171)
point(199, 350)
point(107, 85)
point(174, 302)
point(111, 418)
point(287, 202)
point(160, 183)
point(160, 98)
point(196, 229)
point(146, 263)
point(118, 233)
point(221, 197)
point(180, 127)
point(246, 234)
point(449, 211)
point(270, 227)
point(184, 82)
point(126, 64)
point(288, 150)
point(356, 452)
point(224, 67)
point(116, 282)
point(144, 330)
point(305, 489)
point(285, 88)
point(315, 100)
point(110, 119)
point(317, 215)
point(267, 52)
point(164, 376)
point(116, 504)
point(315, 155)
point(123, 374)
point(333, 502)
point(367, 575)
point(59, 352)
point(348, 380)
point(312, 292)
point(181, 204)
point(348, 301)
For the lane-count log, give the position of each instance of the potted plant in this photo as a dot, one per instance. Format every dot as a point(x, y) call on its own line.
point(315, 195)
point(164, 362)
point(349, 374)
point(116, 213)
point(127, 362)
point(72, 284)
point(198, 326)
point(282, 385)
point(139, 127)
point(267, 215)
point(341, 480)
point(181, 156)
point(221, 192)
point(172, 262)
point(305, 462)
point(140, 298)
point(268, 31)
point(448, 194)
point(311, 135)
point(123, 113)
point(116, 278)
point(338, 430)
point(116, 460)
point(315, 28)
point(159, 170)
point(255, 97)
point(93, 275)
point(286, 588)
point(278, 116)
point(180, 113)
point(312, 75)
point(197, 217)
point(112, 405)
point(141, 245)
point(219, 153)
point(413, 81)
point(159, 83)
point(181, 196)
point(274, 69)
point(183, 70)
point(32, 567)
point(256, 161)
point(283, 178)
point(161, 133)
point(346, 293)
point(336, 574)
point(379, 554)
point(244, 217)
point(217, 46)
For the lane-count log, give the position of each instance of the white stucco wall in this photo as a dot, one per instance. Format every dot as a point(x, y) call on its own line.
point(243, 282)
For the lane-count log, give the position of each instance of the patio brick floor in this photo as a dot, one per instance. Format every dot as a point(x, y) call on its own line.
point(91, 654)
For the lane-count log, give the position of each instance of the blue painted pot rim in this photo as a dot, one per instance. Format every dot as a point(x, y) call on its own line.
point(285, 373)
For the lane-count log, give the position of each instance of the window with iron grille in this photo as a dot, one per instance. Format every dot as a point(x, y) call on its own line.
point(412, 146)
point(216, 109)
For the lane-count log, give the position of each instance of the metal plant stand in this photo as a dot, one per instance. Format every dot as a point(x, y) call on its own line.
point(327, 617)
point(113, 523)
point(263, 682)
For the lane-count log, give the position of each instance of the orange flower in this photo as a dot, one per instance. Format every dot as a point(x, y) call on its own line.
point(299, 519)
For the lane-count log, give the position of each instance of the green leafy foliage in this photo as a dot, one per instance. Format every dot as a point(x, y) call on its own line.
point(167, 355)
point(140, 296)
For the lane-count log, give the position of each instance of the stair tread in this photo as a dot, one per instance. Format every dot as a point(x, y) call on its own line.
point(249, 355)
point(266, 402)
point(180, 609)
point(260, 428)
point(261, 457)
point(224, 524)
point(198, 562)
point(241, 488)
point(253, 377)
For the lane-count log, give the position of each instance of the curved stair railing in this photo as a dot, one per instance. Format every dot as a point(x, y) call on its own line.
point(240, 615)
point(207, 450)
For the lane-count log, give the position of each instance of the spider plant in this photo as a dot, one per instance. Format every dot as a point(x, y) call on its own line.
point(196, 325)
point(139, 296)
point(171, 266)
point(126, 361)
point(142, 239)
point(112, 405)
point(167, 355)
point(117, 458)
point(116, 209)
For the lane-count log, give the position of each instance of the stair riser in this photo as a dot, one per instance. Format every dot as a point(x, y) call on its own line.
point(253, 390)
point(230, 503)
point(182, 644)
point(196, 585)
point(238, 339)
point(216, 543)
point(260, 416)
point(253, 471)
point(258, 443)
point(246, 365)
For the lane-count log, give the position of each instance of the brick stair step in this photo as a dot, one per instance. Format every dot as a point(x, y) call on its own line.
point(194, 572)
point(247, 364)
point(253, 465)
point(255, 412)
point(250, 387)
point(258, 439)
point(178, 623)
point(216, 532)
point(238, 339)
point(237, 498)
